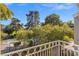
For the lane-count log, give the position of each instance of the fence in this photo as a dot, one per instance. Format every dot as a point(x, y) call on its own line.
point(55, 48)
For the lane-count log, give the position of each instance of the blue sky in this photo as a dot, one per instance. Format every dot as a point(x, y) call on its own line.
point(66, 11)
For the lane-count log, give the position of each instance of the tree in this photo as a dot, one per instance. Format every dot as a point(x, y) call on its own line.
point(47, 33)
point(68, 31)
point(56, 33)
point(36, 32)
point(8, 29)
point(70, 23)
point(41, 33)
point(5, 13)
point(24, 36)
point(14, 26)
point(44, 33)
point(52, 19)
point(32, 19)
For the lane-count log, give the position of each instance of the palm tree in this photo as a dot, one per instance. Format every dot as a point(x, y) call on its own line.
point(5, 13)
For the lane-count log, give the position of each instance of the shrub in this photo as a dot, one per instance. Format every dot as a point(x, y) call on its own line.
point(66, 38)
point(24, 35)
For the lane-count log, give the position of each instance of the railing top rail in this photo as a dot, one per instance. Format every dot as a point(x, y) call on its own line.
point(70, 49)
point(34, 47)
point(30, 47)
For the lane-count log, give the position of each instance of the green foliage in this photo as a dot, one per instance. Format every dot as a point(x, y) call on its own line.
point(56, 34)
point(8, 29)
point(45, 30)
point(59, 32)
point(23, 35)
point(70, 23)
point(13, 27)
point(66, 38)
point(53, 19)
point(49, 33)
point(2, 35)
point(5, 12)
point(45, 33)
point(15, 24)
point(68, 31)
point(41, 33)
point(32, 19)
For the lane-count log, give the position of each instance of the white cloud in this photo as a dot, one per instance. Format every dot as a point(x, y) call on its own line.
point(54, 6)
point(65, 7)
point(8, 4)
point(19, 4)
point(47, 4)
point(59, 6)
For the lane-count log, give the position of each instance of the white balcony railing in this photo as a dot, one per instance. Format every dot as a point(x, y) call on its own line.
point(55, 48)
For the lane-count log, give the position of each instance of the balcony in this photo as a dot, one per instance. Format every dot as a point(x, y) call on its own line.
point(54, 48)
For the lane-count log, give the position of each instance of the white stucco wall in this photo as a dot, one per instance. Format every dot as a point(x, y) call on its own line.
point(76, 28)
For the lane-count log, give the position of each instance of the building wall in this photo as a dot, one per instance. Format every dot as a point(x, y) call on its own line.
point(76, 29)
